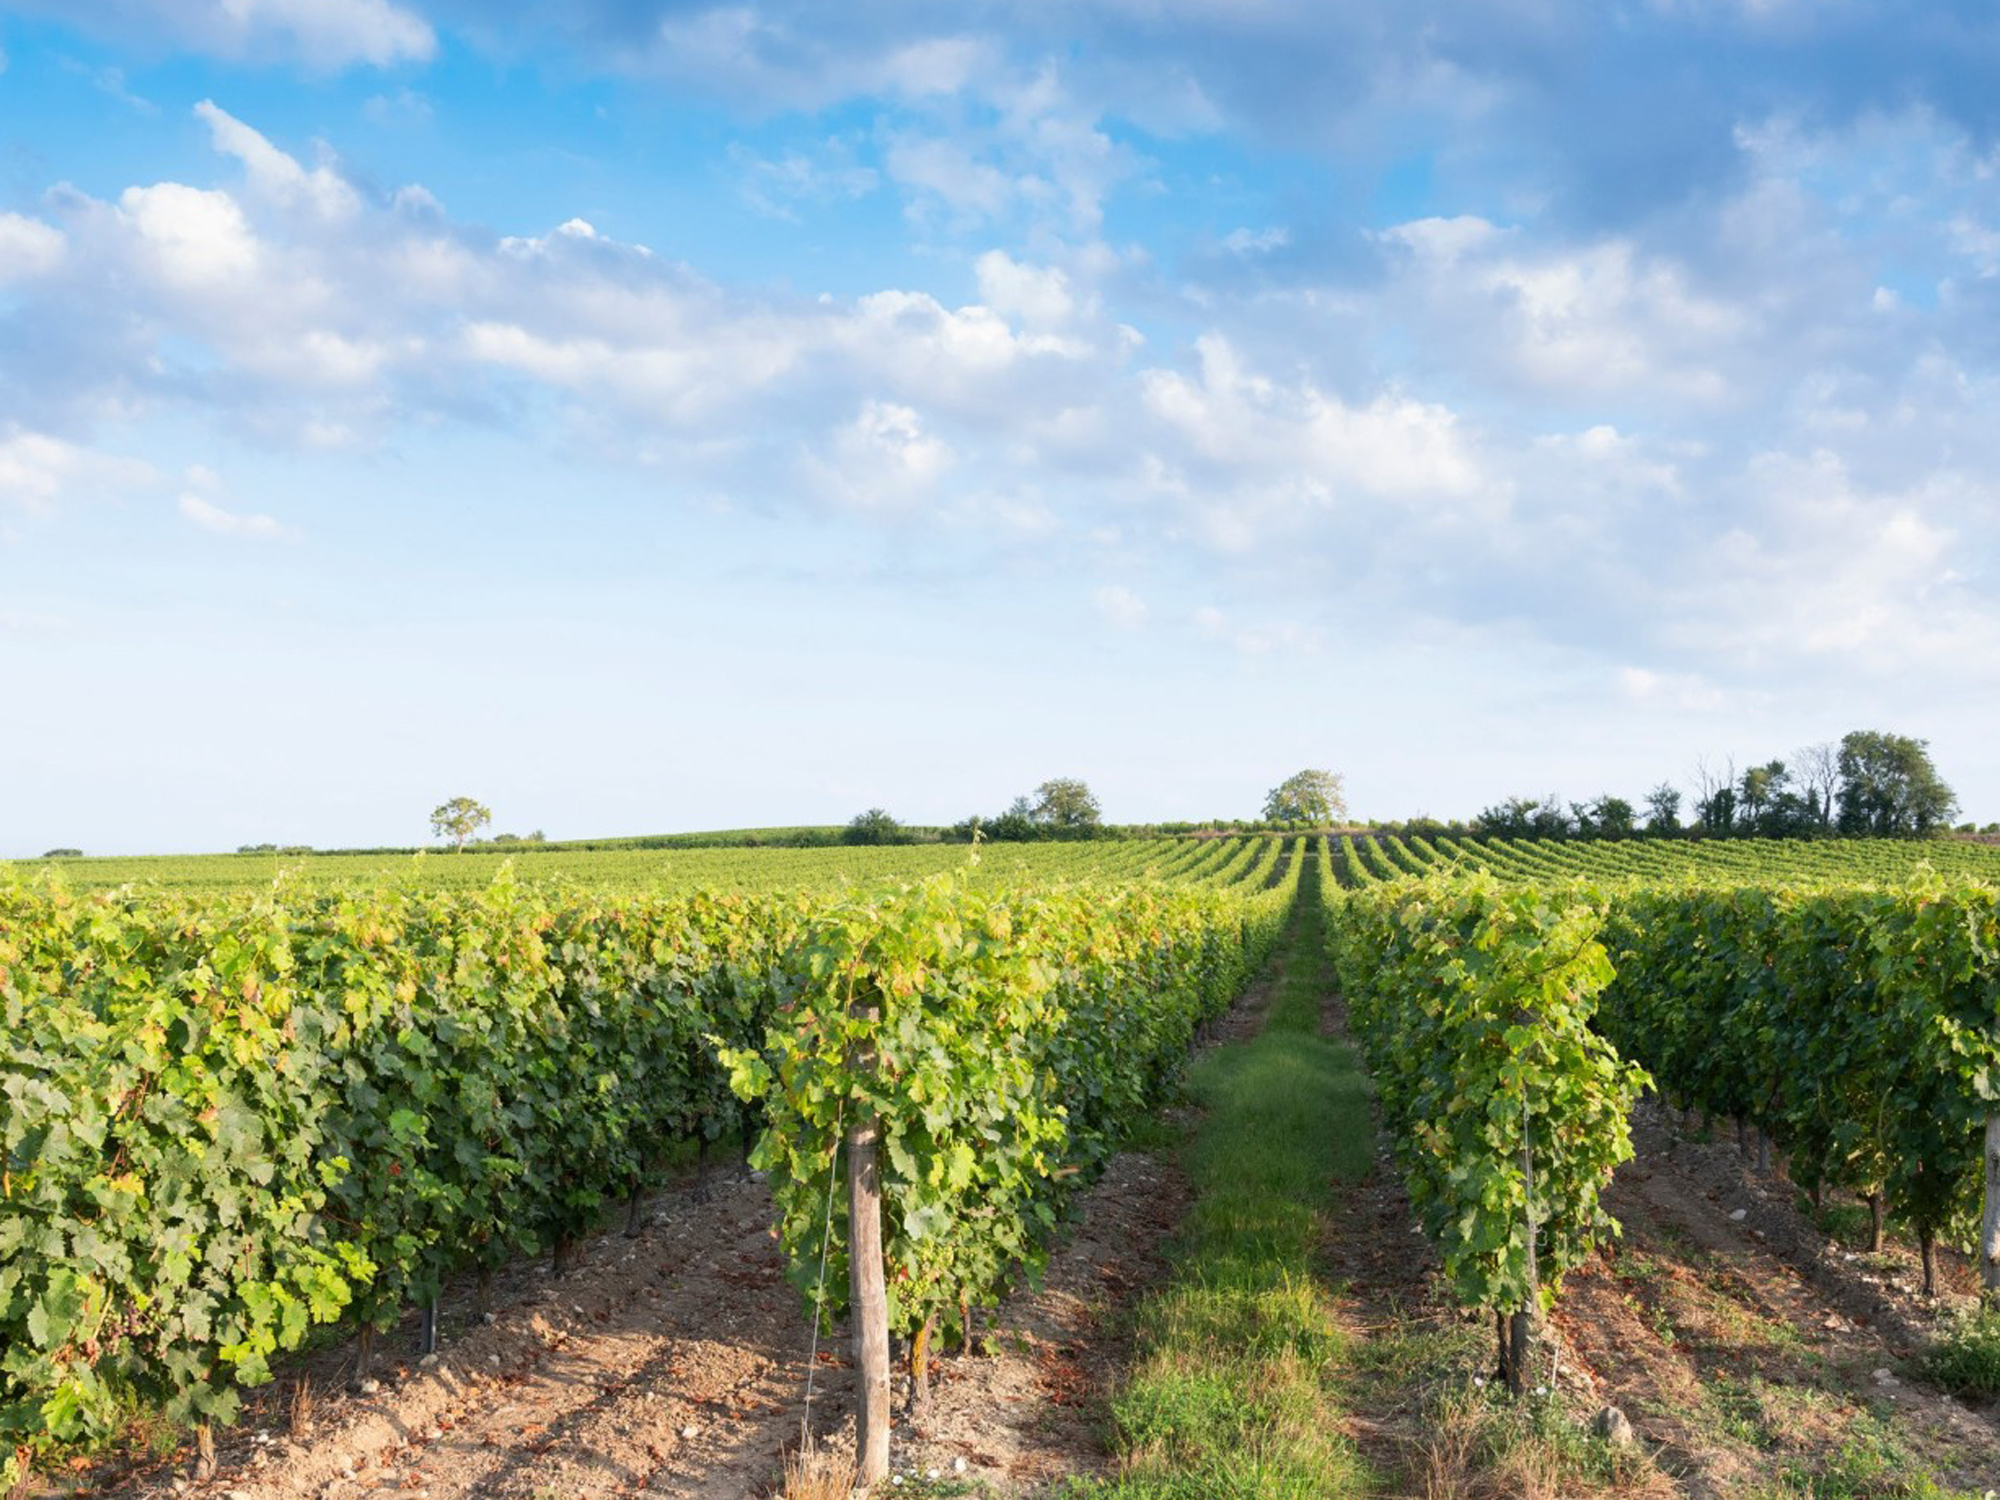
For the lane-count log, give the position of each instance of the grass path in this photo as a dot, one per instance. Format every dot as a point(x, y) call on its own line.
point(1233, 1394)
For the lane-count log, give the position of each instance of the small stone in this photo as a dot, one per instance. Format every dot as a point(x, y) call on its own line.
point(428, 1359)
point(1737, 1215)
point(959, 1466)
point(688, 1431)
point(488, 1319)
point(1614, 1427)
point(235, 1495)
point(1886, 1376)
point(493, 1359)
point(367, 1387)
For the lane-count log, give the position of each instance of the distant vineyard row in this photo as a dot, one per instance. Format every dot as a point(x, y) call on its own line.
point(740, 869)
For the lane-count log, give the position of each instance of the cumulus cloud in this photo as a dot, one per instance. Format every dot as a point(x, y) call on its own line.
point(38, 470)
point(1704, 453)
point(28, 247)
point(213, 518)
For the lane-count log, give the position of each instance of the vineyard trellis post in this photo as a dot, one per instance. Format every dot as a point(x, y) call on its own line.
point(868, 1292)
point(1518, 1349)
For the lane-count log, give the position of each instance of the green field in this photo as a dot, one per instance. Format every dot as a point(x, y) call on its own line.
point(247, 1096)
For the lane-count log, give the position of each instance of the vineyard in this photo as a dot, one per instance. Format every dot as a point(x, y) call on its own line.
point(248, 1106)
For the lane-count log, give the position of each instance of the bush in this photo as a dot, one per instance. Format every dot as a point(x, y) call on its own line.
point(875, 827)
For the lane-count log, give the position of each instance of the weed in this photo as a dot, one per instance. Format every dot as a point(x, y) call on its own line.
point(1967, 1358)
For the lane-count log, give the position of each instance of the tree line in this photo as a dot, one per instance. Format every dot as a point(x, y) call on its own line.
point(1871, 784)
point(1066, 808)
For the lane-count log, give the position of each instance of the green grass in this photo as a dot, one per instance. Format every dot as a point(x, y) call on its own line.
point(1235, 1390)
point(1967, 1358)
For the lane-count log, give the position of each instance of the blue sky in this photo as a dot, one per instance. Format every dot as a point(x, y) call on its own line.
point(647, 416)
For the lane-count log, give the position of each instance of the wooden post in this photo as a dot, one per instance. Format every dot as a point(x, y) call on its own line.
point(1522, 1333)
point(869, 1294)
point(1989, 1224)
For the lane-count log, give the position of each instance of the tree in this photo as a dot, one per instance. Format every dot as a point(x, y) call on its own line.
point(1314, 798)
point(1759, 789)
point(1608, 817)
point(1066, 806)
point(1663, 809)
point(1888, 786)
point(874, 827)
point(1715, 798)
point(62, 854)
point(1819, 780)
point(459, 819)
point(1526, 818)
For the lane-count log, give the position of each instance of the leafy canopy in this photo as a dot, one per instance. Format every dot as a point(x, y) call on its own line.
point(459, 819)
point(1311, 797)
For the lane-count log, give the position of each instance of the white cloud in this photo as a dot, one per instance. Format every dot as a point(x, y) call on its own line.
point(883, 460)
point(213, 518)
point(196, 239)
point(28, 247)
point(1564, 472)
point(273, 173)
point(1035, 296)
point(1309, 448)
point(1594, 317)
point(37, 470)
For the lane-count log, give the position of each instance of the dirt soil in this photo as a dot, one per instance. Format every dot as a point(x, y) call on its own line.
point(1749, 1347)
point(674, 1363)
point(1753, 1355)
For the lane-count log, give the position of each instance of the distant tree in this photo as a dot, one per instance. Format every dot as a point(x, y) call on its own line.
point(1017, 822)
point(1526, 818)
point(1065, 806)
point(1715, 798)
point(459, 819)
point(1663, 809)
point(63, 854)
point(874, 826)
point(1608, 817)
point(1759, 788)
point(1818, 776)
point(1314, 798)
point(1888, 786)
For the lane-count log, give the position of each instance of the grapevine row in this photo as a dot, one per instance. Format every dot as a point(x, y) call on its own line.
point(224, 1120)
